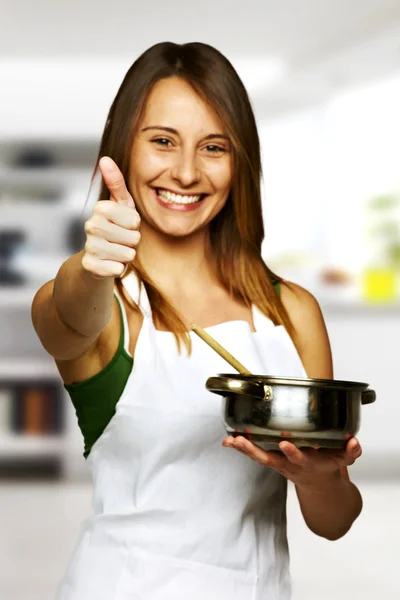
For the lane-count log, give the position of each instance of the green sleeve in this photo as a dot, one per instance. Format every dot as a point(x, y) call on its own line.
point(95, 399)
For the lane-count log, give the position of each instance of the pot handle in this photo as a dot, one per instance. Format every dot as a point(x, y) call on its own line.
point(227, 385)
point(368, 397)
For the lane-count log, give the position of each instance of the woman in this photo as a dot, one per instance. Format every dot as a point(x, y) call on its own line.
point(176, 514)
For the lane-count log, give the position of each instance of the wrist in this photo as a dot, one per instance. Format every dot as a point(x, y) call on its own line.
point(320, 483)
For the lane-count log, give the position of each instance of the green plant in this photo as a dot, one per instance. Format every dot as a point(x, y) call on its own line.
point(384, 230)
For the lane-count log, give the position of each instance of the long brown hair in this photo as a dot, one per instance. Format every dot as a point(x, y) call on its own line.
point(237, 232)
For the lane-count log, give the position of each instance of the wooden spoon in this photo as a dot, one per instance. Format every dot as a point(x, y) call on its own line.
point(219, 349)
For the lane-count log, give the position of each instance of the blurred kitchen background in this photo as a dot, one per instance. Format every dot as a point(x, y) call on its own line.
point(324, 80)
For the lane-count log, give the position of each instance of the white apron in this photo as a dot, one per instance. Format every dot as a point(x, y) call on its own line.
point(176, 515)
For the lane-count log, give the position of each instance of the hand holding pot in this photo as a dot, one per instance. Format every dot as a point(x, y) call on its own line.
point(306, 467)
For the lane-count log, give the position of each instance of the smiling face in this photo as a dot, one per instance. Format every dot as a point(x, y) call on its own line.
point(181, 161)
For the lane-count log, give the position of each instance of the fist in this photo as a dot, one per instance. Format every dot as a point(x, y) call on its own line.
point(112, 232)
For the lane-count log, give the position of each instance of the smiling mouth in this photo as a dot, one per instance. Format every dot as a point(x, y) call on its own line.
point(171, 198)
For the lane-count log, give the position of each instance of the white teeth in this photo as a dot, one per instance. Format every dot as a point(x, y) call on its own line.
point(177, 198)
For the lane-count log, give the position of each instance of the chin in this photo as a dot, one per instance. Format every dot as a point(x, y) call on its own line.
point(180, 231)
point(178, 226)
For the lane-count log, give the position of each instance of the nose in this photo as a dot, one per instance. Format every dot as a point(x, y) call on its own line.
point(185, 169)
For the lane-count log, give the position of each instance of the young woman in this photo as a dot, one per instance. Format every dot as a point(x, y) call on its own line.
point(178, 514)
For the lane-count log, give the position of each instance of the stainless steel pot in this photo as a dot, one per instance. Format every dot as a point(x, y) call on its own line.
point(306, 412)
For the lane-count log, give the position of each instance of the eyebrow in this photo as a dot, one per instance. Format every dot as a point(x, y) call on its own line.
point(211, 136)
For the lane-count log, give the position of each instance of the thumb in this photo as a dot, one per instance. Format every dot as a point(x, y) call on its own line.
point(115, 182)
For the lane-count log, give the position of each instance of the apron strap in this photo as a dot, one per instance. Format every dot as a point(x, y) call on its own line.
point(124, 324)
point(137, 292)
point(260, 321)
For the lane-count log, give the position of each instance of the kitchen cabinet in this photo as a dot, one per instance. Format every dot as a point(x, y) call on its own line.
point(43, 188)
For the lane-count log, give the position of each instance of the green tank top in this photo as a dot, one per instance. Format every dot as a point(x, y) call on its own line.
point(95, 399)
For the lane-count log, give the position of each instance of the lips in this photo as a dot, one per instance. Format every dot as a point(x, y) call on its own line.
point(176, 198)
point(186, 203)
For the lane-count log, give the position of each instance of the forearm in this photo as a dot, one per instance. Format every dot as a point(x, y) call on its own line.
point(330, 507)
point(83, 302)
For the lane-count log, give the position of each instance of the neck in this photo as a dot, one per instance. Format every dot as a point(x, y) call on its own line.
point(180, 263)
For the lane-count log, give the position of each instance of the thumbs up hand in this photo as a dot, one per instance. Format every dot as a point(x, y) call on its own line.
point(112, 232)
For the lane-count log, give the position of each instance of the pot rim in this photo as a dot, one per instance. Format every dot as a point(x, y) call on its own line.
point(297, 381)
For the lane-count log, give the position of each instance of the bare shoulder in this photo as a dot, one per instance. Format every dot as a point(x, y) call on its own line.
point(300, 304)
point(96, 357)
point(101, 353)
point(312, 339)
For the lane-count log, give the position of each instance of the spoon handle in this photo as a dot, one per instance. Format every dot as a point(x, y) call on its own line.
point(219, 349)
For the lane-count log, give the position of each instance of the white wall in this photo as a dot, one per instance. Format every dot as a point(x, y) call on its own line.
point(364, 345)
point(321, 166)
point(295, 170)
point(57, 98)
point(363, 132)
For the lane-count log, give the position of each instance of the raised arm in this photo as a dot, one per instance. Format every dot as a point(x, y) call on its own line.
point(71, 311)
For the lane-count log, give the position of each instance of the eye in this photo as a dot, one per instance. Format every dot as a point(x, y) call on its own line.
point(162, 142)
point(213, 149)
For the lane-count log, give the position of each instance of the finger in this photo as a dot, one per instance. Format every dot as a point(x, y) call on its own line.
point(125, 217)
point(249, 433)
point(104, 250)
point(102, 227)
point(229, 445)
point(353, 450)
point(293, 454)
point(103, 268)
point(125, 237)
point(255, 452)
point(115, 182)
